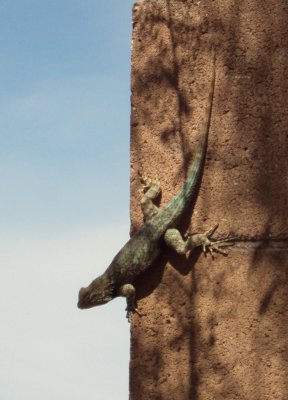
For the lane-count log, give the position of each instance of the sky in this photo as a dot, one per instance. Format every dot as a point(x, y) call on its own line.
point(64, 195)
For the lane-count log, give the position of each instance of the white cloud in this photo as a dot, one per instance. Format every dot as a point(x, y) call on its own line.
point(49, 348)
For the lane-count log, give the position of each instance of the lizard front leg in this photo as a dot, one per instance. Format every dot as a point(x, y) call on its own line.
point(174, 240)
point(128, 290)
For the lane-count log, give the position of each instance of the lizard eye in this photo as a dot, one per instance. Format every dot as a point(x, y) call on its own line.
point(82, 292)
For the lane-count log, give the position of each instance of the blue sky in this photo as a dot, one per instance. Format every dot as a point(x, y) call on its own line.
point(65, 109)
point(64, 173)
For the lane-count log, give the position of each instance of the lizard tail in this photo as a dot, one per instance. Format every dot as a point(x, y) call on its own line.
point(200, 152)
point(183, 199)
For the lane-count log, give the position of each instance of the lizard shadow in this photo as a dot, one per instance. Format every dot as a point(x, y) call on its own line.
point(150, 279)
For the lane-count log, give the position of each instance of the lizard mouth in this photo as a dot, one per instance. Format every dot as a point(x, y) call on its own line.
point(83, 305)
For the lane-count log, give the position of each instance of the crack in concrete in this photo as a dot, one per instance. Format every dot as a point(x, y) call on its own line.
point(267, 245)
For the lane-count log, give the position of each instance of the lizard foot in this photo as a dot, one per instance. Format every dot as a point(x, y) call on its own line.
point(130, 313)
point(153, 184)
point(208, 245)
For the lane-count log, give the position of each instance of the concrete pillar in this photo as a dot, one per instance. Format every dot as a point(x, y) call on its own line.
point(213, 328)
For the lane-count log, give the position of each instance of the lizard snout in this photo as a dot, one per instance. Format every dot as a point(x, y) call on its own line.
point(82, 298)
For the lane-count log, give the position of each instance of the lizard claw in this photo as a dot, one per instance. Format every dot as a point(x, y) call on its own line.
point(146, 182)
point(208, 245)
point(130, 313)
point(216, 246)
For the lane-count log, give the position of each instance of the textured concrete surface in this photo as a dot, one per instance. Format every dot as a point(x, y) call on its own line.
point(213, 329)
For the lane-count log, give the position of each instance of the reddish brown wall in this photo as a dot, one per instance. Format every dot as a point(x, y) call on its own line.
point(213, 329)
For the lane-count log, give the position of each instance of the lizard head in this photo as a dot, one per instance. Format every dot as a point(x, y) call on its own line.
point(96, 294)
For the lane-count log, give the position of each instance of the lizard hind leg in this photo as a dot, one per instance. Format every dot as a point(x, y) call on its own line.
point(152, 190)
point(174, 240)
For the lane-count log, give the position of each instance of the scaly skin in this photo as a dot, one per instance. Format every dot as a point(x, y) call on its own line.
point(144, 247)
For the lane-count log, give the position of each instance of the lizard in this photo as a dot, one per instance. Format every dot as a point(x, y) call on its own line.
point(145, 245)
